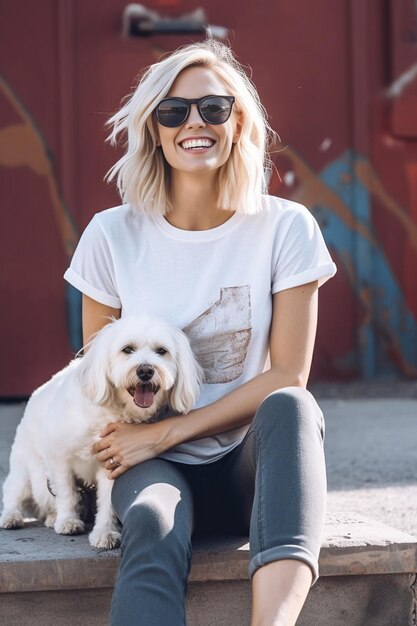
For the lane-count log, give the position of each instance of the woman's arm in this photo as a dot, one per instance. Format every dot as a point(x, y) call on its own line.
point(292, 336)
point(95, 316)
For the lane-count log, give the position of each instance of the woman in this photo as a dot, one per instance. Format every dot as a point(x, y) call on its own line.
point(199, 245)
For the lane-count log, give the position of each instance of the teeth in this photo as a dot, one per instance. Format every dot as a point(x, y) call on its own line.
point(197, 143)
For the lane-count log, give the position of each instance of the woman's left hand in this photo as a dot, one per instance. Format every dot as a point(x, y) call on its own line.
point(123, 445)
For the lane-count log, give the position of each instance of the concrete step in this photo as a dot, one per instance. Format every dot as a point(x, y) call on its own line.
point(367, 577)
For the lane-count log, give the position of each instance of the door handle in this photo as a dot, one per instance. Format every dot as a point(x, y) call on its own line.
point(138, 21)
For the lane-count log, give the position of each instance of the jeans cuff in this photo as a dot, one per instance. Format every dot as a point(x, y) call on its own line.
point(285, 552)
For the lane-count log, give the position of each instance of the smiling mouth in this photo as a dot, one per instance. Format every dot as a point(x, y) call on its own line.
point(197, 144)
point(143, 394)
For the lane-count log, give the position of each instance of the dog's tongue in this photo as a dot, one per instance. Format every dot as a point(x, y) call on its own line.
point(144, 395)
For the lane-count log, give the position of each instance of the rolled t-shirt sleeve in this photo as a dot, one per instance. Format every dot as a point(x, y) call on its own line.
point(91, 270)
point(301, 256)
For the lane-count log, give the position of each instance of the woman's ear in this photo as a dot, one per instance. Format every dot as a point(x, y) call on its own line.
point(238, 127)
point(155, 132)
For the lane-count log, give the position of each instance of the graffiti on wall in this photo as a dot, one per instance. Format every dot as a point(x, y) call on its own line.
point(340, 197)
point(22, 144)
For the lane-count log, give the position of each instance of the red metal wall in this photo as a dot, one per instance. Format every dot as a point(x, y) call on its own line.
point(331, 75)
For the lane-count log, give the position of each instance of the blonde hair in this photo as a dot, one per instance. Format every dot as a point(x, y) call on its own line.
point(143, 175)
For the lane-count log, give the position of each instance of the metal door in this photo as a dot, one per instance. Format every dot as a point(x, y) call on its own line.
point(327, 73)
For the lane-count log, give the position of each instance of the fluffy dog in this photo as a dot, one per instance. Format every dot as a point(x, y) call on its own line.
point(133, 368)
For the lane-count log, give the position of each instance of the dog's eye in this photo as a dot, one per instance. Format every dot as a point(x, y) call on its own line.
point(128, 349)
point(161, 351)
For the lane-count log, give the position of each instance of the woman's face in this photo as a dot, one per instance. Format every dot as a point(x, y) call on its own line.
point(197, 82)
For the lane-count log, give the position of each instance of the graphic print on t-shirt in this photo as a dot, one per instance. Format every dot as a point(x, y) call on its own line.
point(220, 336)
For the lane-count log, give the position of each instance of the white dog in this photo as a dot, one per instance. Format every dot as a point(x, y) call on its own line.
point(133, 368)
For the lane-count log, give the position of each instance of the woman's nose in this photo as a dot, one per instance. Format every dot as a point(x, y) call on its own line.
point(194, 119)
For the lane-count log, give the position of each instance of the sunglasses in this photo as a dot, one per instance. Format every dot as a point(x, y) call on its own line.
point(214, 110)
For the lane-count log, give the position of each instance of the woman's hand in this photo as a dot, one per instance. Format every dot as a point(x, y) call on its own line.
point(123, 445)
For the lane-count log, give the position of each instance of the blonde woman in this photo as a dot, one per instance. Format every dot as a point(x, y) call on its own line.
point(198, 243)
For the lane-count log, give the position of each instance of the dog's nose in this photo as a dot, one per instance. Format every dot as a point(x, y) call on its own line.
point(145, 372)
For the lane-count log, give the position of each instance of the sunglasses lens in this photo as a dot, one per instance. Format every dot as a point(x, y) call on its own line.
point(216, 109)
point(172, 112)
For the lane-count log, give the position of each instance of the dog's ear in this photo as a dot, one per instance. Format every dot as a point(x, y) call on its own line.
point(189, 376)
point(92, 371)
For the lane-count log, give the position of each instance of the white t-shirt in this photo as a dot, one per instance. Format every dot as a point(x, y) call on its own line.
point(215, 284)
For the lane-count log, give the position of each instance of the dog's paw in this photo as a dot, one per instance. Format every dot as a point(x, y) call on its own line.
point(69, 526)
point(11, 520)
point(50, 520)
point(101, 538)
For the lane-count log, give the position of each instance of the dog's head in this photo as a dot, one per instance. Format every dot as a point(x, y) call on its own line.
point(141, 364)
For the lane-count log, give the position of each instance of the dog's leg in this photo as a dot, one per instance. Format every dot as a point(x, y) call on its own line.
point(105, 533)
point(62, 481)
point(16, 490)
point(41, 495)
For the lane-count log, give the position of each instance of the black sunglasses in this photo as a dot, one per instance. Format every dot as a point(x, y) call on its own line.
point(173, 112)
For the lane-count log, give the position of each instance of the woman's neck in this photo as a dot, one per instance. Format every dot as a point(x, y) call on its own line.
point(195, 203)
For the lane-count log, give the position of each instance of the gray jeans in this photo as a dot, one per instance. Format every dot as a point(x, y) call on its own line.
point(272, 486)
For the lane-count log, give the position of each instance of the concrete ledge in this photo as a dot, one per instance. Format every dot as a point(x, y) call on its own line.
point(35, 558)
point(367, 577)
